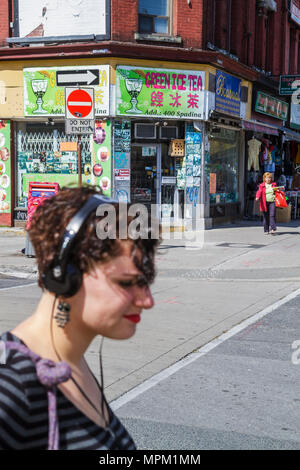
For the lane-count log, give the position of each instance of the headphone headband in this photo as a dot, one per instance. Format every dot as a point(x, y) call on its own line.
point(63, 277)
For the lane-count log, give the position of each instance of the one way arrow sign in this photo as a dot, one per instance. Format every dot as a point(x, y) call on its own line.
point(77, 77)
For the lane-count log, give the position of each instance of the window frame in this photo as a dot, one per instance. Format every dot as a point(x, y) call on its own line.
point(169, 18)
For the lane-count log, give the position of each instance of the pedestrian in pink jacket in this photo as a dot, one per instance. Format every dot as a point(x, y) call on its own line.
point(266, 195)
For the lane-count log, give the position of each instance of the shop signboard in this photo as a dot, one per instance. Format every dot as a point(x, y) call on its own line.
point(228, 93)
point(288, 84)
point(122, 147)
point(271, 106)
point(166, 93)
point(44, 93)
point(5, 168)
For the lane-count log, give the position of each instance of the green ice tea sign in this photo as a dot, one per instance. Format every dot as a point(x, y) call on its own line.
point(163, 93)
point(45, 96)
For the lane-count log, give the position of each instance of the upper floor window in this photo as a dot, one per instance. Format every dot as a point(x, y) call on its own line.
point(154, 16)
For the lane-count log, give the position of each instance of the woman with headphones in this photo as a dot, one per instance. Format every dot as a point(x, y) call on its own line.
point(49, 397)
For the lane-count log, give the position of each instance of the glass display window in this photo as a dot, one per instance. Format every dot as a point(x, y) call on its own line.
point(224, 166)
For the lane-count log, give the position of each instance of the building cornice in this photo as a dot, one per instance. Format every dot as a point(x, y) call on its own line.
point(131, 51)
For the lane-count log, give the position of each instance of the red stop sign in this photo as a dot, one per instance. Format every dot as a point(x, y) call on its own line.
point(79, 103)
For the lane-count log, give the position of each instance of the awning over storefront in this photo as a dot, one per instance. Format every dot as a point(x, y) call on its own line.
point(259, 127)
point(290, 135)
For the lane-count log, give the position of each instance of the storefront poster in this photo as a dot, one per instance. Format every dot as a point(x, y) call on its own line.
point(43, 97)
point(193, 142)
point(101, 157)
point(228, 93)
point(295, 116)
point(160, 92)
point(121, 160)
point(5, 171)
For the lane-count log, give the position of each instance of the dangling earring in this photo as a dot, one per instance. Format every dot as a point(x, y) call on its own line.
point(62, 316)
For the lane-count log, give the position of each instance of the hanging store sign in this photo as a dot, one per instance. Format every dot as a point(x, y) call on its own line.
point(44, 88)
point(271, 106)
point(228, 93)
point(160, 93)
point(288, 84)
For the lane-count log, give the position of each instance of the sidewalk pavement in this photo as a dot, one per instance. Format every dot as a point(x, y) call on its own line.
point(199, 295)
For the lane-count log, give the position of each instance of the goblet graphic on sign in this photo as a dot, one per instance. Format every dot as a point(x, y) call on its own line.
point(39, 88)
point(133, 86)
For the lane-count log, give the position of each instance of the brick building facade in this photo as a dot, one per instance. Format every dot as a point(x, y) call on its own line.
point(239, 48)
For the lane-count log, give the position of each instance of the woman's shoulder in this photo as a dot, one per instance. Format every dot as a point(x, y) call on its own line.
point(15, 366)
point(11, 356)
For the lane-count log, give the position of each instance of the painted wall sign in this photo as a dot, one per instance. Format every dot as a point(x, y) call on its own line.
point(44, 18)
point(160, 92)
point(288, 84)
point(43, 96)
point(5, 171)
point(271, 106)
point(228, 93)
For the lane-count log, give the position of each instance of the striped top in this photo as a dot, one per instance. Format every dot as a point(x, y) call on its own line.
point(24, 413)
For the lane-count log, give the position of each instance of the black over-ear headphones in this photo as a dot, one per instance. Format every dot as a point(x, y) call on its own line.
point(64, 278)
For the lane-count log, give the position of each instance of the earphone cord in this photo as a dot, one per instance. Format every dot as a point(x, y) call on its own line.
point(72, 378)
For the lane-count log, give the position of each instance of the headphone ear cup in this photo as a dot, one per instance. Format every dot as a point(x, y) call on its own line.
point(68, 286)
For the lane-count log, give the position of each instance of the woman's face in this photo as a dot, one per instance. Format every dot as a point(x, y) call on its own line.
point(112, 298)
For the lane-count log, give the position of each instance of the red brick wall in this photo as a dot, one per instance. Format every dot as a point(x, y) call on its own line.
point(221, 24)
point(188, 22)
point(124, 19)
point(4, 21)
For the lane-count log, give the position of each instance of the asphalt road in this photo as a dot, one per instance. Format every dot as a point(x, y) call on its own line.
point(243, 394)
point(7, 282)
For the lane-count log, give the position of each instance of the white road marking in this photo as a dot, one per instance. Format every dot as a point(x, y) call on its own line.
point(17, 287)
point(166, 373)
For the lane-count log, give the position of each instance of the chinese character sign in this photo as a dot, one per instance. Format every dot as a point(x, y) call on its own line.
point(228, 93)
point(160, 92)
point(44, 93)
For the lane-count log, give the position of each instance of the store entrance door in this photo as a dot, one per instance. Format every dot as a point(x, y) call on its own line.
point(146, 175)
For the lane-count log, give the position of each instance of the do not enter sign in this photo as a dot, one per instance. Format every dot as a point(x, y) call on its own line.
point(80, 103)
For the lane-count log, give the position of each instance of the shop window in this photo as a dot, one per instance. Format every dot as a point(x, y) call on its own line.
point(224, 144)
point(154, 16)
point(39, 158)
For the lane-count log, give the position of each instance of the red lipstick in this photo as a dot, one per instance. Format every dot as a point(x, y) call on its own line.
point(133, 318)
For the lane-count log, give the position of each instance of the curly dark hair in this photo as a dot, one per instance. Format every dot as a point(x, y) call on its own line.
point(48, 226)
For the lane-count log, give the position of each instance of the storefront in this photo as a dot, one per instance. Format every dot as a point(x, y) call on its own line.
point(155, 161)
point(271, 147)
point(225, 165)
point(41, 151)
point(165, 137)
